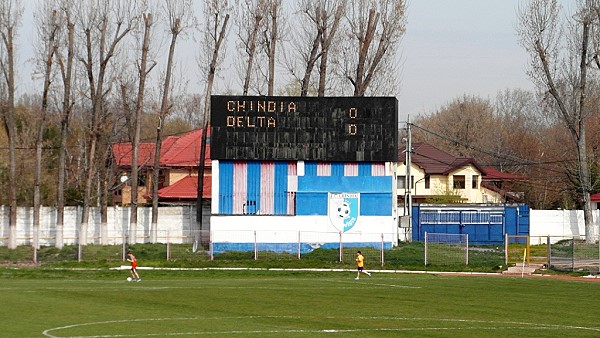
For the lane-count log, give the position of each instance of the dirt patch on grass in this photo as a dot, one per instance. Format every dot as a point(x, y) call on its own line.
point(18, 265)
point(591, 278)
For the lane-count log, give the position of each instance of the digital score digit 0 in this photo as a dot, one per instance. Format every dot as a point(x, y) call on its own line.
point(351, 128)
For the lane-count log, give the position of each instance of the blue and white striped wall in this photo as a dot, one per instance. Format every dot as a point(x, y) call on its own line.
point(293, 196)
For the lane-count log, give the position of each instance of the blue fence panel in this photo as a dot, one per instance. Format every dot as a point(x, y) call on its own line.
point(483, 224)
point(524, 220)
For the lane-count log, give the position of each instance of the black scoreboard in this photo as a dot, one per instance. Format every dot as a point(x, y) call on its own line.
point(304, 128)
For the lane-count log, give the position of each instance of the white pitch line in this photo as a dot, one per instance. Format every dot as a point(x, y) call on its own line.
point(496, 326)
point(47, 331)
point(242, 332)
point(398, 286)
point(245, 332)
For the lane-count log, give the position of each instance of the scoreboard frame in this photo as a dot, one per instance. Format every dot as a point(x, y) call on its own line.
point(272, 128)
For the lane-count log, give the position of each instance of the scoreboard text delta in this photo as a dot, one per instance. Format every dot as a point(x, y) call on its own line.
point(304, 128)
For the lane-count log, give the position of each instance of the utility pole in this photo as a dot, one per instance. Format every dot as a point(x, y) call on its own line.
point(407, 192)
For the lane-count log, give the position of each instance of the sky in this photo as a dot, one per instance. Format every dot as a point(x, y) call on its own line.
point(451, 48)
point(458, 47)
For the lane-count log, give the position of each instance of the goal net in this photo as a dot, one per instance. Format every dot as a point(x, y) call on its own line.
point(446, 249)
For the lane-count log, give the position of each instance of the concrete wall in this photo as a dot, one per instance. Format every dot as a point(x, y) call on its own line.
point(177, 224)
point(560, 223)
point(288, 228)
point(173, 222)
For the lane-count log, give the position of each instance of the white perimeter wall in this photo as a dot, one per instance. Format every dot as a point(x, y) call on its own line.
point(173, 222)
point(177, 223)
point(314, 229)
point(560, 223)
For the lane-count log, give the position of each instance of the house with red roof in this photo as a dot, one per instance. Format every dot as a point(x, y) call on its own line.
point(178, 178)
point(595, 198)
point(439, 176)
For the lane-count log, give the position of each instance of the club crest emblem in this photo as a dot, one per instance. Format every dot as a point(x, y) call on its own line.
point(343, 209)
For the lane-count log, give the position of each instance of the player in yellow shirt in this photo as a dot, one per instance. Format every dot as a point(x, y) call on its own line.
point(360, 264)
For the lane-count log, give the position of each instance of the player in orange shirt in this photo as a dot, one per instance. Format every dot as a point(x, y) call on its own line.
point(360, 264)
point(131, 259)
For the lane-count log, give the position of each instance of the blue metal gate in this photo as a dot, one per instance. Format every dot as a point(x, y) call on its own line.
point(483, 224)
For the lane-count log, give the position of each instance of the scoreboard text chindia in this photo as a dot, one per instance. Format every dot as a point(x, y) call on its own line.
point(304, 128)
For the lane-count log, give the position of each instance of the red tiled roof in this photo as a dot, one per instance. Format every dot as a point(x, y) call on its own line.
point(184, 151)
point(186, 189)
point(492, 174)
point(435, 161)
point(460, 162)
point(167, 143)
point(595, 197)
point(176, 151)
point(122, 154)
point(431, 159)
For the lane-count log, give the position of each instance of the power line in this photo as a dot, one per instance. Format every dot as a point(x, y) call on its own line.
point(517, 160)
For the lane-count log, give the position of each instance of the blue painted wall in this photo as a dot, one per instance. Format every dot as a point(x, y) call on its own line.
point(375, 193)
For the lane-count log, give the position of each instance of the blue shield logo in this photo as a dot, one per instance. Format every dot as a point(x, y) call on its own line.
point(343, 210)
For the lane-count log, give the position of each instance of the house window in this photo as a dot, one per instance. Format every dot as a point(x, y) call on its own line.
point(427, 181)
point(402, 182)
point(475, 182)
point(459, 181)
point(141, 180)
point(162, 179)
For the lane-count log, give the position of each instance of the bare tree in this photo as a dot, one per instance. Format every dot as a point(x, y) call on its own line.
point(143, 71)
point(316, 27)
point(250, 16)
point(65, 63)
point(103, 25)
point(179, 18)
point(271, 35)
point(511, 134)
point(216, 13)
point(518, 129)
point(217, 17)
point(561, 55)
point(463, 123)
point(328, 31)
point(128, 98)
point(11, 12)
point(375, 28)
point(594, 6)
point(185, 110)
point(48, 24)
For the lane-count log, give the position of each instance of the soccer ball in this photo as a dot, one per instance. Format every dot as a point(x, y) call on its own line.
point(343, 210)
point(129, 279)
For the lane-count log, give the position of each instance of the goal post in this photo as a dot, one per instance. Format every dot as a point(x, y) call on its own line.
point(446, 249)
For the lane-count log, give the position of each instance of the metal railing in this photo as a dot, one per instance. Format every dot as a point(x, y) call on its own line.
point(197, 245)
point(562, 253)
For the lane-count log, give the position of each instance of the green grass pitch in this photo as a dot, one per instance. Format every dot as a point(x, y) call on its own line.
point(267, 303)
